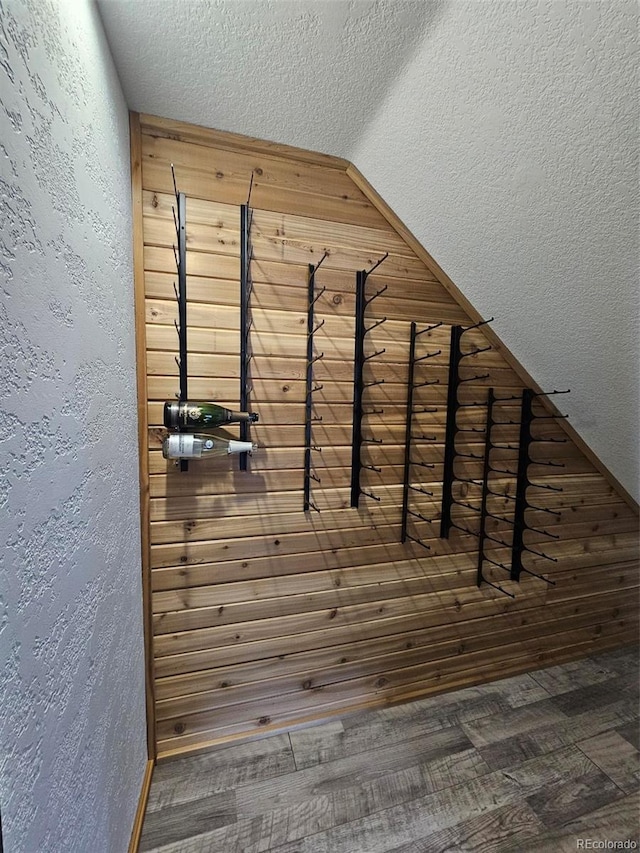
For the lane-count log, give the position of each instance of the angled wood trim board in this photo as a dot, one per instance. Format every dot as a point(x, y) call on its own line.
point(261, 617)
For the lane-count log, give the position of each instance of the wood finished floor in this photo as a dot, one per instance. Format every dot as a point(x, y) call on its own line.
point(529, 763)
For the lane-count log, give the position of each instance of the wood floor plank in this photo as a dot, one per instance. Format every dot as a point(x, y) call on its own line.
point(515, 823)
point(616, 757)
point(615, 821)
point(175, 823)
point(557, 804)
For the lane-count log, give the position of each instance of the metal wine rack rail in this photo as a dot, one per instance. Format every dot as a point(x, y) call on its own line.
point(456, 356)
point(526, 439)
point(180, 255)
point(408, 461)
point(311, 388)
point(246, 286)
point(359, 385)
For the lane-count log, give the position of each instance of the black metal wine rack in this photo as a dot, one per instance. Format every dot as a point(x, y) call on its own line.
point(412, 385)
point(524, 483)
point(359, 385)
point(246, 286)
point(180, 255)
point(456, 356)
point(311, 387)
point(483, 535)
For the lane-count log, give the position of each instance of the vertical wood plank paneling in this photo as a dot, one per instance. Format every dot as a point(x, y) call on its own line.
point(264, 617)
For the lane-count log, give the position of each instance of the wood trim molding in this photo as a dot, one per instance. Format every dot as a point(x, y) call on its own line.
point(143, 424)
point(396, 223)
point(156, 126)
point(138, 821)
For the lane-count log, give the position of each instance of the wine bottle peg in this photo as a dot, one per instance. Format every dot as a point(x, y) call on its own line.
point(465, 529)
point(500, 517)
point(375, 325)
point(473, 378)
point(428, 355)
point(466, 505)
point(505, 471)
point(471, 482)
point(424, 438)
point(550, 464)
point(543, 532)
point(313, 477)
point(429, 329)
point(371, 384)
point(421, 464)
point(498, 587)
point(173, 175)
point(539, 554)
point(374, 354)
point(373, 468)
point(428, 382)
point(468, 455)
point(418, 542)
point(375, 295)
point(535, 575)
point(250, 188)
point(550, 393)
point(372, 440)
point(313, 269)
point(544, 509)
point(377, 264)
point(499, 565)
point(373, 411)
point(474, 352)
point(370, 495)
point(422, 491)
point(549, 440)
point(420, 516)
point(321, 291)
point(548, 417)
point(544, 486)
point(498, 541)
point(476, 325)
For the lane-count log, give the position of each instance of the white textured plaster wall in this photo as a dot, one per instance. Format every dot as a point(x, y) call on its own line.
point(306, 72)
point(509, 147)
point(72, 715)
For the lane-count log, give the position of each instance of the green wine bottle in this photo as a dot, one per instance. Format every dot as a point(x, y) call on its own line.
point(198, 415)
point(181, 445)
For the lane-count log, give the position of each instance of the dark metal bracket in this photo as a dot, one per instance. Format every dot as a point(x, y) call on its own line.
point(482, 557)
point(311, 388)
point(456, 356)
point(180, 254)
point(359, 385)
point(245, 319)
point(527, 419)
point(408, 461)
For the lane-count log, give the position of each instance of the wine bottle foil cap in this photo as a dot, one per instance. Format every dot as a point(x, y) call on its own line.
point(172, 415)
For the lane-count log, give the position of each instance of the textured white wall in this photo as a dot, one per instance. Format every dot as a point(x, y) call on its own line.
point(509, 147)
point(309, 73)
point(72, 717)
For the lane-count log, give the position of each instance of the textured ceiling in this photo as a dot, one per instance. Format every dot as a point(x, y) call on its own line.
point(502, 133)
point(310, 73)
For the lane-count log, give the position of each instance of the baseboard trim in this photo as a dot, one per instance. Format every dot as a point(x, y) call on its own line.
point(142, 807)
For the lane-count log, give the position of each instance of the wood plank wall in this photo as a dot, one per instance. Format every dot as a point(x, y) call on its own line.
point(264, 616)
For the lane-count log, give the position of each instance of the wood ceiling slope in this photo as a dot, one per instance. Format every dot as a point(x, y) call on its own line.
point(260, 617)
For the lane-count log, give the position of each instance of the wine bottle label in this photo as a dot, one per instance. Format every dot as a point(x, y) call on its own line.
point(181, 446)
